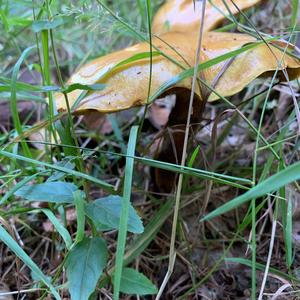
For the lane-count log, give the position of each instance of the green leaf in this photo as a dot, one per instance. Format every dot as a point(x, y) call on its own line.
point(135, 283)
point(272, 184)
point(56, 192)
point(84, 266)
point(17, 21)
point(105, 213)
point(14, 247)
point(13, 98)
point(123, 226)
point(40, 25)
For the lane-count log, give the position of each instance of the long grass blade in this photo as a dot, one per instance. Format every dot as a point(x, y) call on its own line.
point(282, 178)
point(125, 211)
point(14, 247)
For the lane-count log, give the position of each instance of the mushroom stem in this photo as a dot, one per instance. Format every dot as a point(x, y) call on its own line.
point(172, 145)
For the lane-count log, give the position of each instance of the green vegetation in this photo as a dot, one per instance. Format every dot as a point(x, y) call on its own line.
point(80, 217)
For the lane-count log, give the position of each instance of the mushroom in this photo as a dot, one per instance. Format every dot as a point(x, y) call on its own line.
point(126, 81)
point(126, 75)
point(183, 15)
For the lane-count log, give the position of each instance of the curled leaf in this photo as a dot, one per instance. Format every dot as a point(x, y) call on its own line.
point(184, 15)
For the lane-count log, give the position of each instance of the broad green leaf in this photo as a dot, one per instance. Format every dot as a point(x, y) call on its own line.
point(105, 213)
point(15, 248)
point(141, 242)
point(272, 184)
point(56, 192)
point(84, 266)
point(135, 283)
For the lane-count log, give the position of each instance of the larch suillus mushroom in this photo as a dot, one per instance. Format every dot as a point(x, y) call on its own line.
point(126, 84)
point(183, 15)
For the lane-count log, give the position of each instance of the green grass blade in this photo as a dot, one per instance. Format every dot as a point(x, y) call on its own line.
point(288, 234)
point(79, 203)
point(13, 98)
point(125, 211)
point(261, 267)
point(294, 19)
point(21, 183)
point(14, 247)
point(101, 183)
point(204, 174)
point(59, 227)
point(272, 184)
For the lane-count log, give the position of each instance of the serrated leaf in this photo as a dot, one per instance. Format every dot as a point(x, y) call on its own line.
point(136, 283)
point(56, 192)
point(84, 266)
point(105, 213)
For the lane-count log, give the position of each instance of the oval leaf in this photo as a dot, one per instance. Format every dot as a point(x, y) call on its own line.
point(84, 266)
point(105, 213)
point(133, 282)
point(56, 192)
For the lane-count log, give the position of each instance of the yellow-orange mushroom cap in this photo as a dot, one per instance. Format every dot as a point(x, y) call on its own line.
point(126, 85)
point(184, 15)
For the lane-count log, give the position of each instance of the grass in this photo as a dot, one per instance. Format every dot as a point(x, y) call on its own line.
point(240, 191)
